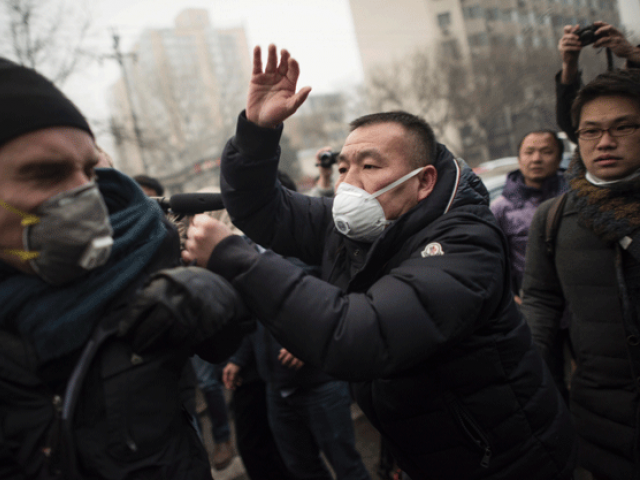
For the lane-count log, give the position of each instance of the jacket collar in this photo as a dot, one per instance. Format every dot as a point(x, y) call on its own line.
point(455, 187)
point(516, 191)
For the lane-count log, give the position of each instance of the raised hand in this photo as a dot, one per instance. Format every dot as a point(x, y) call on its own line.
point(272, 92)
point(569, 47)
point(613, 38)
point(569, 44)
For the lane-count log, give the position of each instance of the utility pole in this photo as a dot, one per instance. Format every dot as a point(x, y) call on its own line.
point(119, 57)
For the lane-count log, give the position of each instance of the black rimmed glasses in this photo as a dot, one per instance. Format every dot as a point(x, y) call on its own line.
point(621, 130)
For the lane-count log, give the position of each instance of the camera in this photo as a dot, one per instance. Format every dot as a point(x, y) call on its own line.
point(327, 159)
point(587, 35)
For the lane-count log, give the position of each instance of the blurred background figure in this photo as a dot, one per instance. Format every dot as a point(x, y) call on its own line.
point(537, 179)
point(151, 186)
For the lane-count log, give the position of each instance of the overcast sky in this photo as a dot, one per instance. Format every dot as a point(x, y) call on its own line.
point(319, 33)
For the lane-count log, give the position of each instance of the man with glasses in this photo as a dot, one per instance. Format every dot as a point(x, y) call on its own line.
point(592, 265)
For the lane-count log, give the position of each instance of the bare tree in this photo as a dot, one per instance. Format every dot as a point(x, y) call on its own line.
point(503, 93)
point(46, 34)
point(422, 83)
point(184, 123)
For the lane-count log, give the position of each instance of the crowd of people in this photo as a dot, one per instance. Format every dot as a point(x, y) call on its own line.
point(482, 341)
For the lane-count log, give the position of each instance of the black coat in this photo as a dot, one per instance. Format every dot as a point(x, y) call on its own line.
point(604, 394)
point(129, 418)
point(443, 363)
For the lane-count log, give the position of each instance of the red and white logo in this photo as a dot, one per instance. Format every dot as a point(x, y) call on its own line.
point(432, 250)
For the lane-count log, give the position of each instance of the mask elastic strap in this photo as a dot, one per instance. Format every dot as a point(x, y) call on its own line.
point(27, 218)
point(397, 182)
point(24, 255)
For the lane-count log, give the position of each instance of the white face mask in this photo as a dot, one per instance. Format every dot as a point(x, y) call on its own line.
point(358, 214)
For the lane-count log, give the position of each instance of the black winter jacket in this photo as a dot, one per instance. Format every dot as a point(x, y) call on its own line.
point(116, 410)
point(604, 393)
point(422, 320)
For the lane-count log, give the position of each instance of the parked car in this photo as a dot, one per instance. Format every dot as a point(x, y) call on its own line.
point(494, 174)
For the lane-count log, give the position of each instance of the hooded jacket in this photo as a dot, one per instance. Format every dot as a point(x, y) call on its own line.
point(422, 321)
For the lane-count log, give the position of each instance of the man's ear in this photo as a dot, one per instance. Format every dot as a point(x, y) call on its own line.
point(427, 178)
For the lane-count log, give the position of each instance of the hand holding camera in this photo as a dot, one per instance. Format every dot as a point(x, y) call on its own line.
point(588, 35)
point(598, 34)
point(327, 159)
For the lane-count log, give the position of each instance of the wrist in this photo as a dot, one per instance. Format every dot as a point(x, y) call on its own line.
point(634, 56)
point(254, 117)
point(569, 72)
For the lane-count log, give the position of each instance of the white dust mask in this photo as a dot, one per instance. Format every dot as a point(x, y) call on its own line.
point(358, 214)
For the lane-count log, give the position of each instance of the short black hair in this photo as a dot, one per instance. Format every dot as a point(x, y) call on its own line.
point(557, 139)
point(425, 148)
point(625, 83)
point(287, 181)
point(151, 183)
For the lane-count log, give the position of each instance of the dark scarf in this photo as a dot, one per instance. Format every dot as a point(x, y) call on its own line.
point(59, 320)
point(610, 211)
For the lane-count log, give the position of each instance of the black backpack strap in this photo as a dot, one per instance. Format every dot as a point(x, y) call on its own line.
point(553, 222)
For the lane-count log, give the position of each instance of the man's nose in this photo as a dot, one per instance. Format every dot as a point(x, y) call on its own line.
point(352, 178)
point(606, 140)
point(77, 179)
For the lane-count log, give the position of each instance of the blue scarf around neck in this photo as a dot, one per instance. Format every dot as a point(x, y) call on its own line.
point(59, 320)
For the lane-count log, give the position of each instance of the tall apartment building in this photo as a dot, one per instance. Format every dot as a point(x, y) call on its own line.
point(182, 88)
point(468, 32)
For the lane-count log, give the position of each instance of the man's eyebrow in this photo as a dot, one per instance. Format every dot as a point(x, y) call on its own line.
point(373, 153)
point(40, 165)
point(615, 120)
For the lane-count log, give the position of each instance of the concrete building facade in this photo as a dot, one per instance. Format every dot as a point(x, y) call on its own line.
point(182, 87)
point(468, 32)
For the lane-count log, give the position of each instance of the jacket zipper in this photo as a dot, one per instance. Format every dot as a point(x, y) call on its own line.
point(475, 433)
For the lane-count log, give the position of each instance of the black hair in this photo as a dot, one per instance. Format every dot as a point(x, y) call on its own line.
point(151, 183)
point(286, 181)
point(625, 83)
point(557, 139)
point(424, 149)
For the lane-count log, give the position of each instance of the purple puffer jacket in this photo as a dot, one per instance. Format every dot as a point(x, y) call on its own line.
point(514, 211)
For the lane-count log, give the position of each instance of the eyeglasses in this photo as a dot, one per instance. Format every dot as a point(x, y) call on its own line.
point(618, 131)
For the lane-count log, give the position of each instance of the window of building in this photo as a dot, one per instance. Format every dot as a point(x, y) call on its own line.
point(450, 49)
point(444, 19)
point(492, 14)
point(479, 39)
point(474, 11)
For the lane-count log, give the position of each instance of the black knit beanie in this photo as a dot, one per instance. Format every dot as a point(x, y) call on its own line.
point(30, 102)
